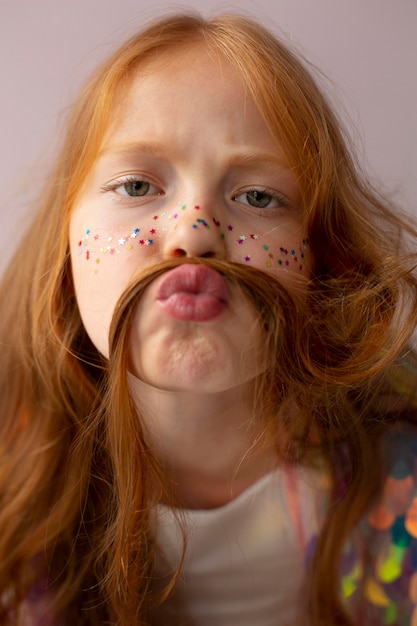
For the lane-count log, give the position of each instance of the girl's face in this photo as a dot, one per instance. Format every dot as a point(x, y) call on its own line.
point(188, 168)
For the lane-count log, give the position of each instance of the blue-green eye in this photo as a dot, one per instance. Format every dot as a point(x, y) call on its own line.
point(135, 188)
point(261, 199)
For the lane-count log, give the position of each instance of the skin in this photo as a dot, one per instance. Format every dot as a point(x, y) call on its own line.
point(188, 138)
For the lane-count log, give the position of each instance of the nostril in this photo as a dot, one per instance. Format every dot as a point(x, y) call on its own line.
point(208, 255)
point(179, 252)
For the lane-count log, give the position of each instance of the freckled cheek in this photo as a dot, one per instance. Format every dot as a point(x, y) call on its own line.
point(288, 254)
point(144, 240)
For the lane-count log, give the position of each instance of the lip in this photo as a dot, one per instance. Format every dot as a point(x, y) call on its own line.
point(193, 293)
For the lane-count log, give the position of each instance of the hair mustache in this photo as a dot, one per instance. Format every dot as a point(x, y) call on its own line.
point(278, 312)
point(274, 303)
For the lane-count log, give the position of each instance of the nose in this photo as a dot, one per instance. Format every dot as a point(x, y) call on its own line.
point(196, 233)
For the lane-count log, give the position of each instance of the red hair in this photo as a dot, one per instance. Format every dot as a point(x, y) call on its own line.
point(77, 481)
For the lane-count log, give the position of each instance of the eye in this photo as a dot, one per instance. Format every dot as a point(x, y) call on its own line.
point(132, 186)
point(262, 199)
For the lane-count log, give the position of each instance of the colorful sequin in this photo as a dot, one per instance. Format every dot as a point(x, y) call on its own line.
point(100, 243)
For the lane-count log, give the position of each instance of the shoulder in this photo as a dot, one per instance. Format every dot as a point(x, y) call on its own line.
point(382, 586)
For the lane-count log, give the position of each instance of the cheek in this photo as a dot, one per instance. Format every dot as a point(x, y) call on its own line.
point(285, 254)
point(103, 263)
point(281, 250)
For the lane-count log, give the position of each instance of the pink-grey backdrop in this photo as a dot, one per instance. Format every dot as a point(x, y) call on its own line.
point(366, 48)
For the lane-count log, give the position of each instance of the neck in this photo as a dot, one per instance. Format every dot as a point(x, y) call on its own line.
point(208, 443)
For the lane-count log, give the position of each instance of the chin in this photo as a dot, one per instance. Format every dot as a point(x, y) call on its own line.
point(191, 374)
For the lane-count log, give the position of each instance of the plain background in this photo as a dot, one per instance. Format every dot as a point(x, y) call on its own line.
point(367, 49)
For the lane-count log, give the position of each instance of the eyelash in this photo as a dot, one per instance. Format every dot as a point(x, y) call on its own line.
point(121, 182)
point(281, 201)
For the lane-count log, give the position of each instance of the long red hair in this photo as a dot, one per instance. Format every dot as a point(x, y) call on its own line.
point(77, 481)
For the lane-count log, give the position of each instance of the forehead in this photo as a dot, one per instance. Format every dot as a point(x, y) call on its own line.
point(177, 86)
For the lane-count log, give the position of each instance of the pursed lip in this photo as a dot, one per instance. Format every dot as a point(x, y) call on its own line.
point(193, 293)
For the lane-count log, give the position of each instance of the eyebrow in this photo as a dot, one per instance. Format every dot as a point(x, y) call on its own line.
point(251, 159)
point(131, 148)
point(236, 159)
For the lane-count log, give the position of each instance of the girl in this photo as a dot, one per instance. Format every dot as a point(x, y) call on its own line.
point(205, 370)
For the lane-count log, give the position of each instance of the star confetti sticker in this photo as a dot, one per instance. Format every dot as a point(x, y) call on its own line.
point(230, 227)
point(247, 259)
point(254, 236)
point(152, 231)
point(122, 241)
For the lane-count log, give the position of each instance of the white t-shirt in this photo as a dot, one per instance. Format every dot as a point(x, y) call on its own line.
point(245, 561)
